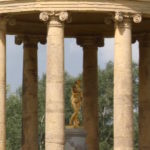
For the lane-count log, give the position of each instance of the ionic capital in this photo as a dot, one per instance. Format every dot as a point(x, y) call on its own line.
point(54, 16)
point(123, 19)
point(90, 41)
point(29, 40)
point(120, 17)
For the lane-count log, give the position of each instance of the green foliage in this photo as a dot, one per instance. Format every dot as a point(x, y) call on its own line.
point(105, 146)
point(41, 111)
point(106, 106)
point(69, 81)
point(14, 122)
point(105, 81)
point(136, 131)
point(135, 100)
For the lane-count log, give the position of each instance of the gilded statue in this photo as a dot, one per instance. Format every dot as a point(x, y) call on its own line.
point(76, 101)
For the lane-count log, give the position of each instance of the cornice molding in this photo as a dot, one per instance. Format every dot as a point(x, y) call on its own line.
point(17, 6)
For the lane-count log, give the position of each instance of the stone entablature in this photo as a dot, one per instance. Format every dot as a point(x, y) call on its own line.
point(89, 21)
point(17, 6)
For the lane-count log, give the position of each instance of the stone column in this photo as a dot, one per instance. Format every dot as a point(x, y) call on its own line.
point(2, 84)
point(54, 125)
point(123, 104)
point(30, 90)
point(144, 93)
point(90, 89)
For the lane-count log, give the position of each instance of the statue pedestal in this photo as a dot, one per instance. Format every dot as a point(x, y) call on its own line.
point(75, 139)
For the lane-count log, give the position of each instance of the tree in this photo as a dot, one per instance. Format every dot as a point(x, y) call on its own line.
point(69, 81)
point(105, 99)
point(13, 122)
point(136, 103)
point(106, 105)
point(105, 81)
point(41, 111)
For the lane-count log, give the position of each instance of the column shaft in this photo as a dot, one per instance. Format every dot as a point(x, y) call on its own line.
point(30, 100)
point(55, 86)
point(90, 89)
point(2, 85)
point(123, 105)
point(90, 94)
point(144, 94)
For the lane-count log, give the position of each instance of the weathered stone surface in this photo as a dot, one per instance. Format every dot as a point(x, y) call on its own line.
point(123, 107)
point(30, 100)
point(2, 84)
point(144, 93)
point(54, 125)
point(12, 6)
point(75, 139)
point(87, 19)
point(90, 89)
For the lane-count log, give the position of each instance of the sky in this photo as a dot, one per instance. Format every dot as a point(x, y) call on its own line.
point(73, 59)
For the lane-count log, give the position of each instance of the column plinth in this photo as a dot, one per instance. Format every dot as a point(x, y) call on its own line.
point(54, 124)
point(123, 104)
point(30, 89)
point(2, 84)
point(144, 94)
point(90, 89)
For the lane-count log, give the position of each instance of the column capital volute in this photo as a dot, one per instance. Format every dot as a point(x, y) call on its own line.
point(120, 17)
point(90, 41)
point(123, 19)
point(55, 16)
point(29, 40)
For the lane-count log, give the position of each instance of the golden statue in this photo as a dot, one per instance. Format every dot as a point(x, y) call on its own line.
point(76, 101)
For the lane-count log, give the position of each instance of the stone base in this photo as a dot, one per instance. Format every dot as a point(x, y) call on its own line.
point(75, 139)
